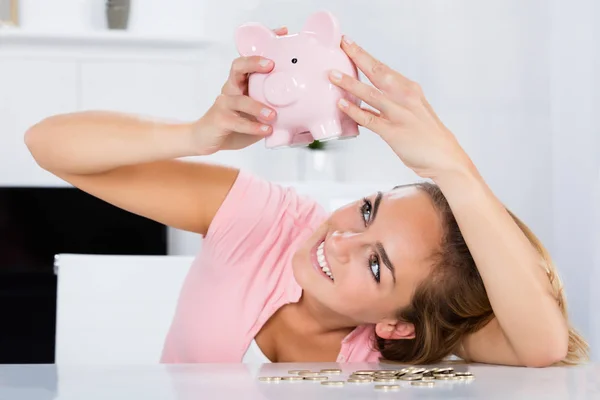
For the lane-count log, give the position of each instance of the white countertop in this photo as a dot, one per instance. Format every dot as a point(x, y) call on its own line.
point(239, 381)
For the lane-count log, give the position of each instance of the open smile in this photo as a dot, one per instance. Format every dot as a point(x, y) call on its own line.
point(319, 260)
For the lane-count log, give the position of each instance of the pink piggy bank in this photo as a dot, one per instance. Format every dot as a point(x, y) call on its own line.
point(298, 87)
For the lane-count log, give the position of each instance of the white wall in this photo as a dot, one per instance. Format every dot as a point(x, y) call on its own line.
point(517, 82)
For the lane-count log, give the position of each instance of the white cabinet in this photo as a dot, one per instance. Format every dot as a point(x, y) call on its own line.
point(30, 90)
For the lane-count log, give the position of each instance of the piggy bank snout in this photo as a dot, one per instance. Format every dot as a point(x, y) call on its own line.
point(281, 89)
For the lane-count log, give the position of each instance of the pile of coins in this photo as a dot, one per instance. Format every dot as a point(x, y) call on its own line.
point(384, 379)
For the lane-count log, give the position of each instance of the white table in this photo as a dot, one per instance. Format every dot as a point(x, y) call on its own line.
point(239, 381)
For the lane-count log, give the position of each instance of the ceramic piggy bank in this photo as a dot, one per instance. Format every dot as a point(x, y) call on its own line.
point(298, 87)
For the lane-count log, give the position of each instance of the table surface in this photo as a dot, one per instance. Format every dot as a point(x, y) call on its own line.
point(240, 381)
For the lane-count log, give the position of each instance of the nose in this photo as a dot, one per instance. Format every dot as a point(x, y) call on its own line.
point(281, 89)
point(341, 245)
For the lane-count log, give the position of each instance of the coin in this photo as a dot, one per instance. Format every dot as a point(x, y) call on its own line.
point(309, 373)
point(428, 378)
point(411, 377)
point(445, 378)
point(463, 374)
point(333, 383)
point(331, 371)
point(292, 378)
point(387, 387)
point(269, 379)
point(355, 380)
point(297, 371)
point(423, 383)
point(315, 378)
point(418, 370)
point(385, 380)
point(446, 375)
point(364, 372)
point(444, 370)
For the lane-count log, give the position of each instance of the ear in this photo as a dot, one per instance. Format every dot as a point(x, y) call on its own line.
point(391, 329)
point(252, 38)
point(325, 27)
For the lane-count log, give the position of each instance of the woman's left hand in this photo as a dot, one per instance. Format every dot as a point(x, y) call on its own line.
point(403, 117)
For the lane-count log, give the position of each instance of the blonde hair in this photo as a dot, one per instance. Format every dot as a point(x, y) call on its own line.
point(453, 302)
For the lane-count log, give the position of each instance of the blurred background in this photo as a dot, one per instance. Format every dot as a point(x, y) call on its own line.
point(517, 81)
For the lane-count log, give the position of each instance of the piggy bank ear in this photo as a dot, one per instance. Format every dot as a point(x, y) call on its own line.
point(252, 38)
point(325, 28)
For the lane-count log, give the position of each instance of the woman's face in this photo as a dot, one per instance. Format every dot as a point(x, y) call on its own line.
point(366, 260)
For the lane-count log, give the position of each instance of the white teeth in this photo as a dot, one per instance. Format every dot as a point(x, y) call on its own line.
point(321, 260)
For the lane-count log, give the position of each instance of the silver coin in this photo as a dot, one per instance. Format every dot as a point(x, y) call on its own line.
point(355, 380)
point(364, 372)
point(309, 373)
point(385, 380)
point(411, 377)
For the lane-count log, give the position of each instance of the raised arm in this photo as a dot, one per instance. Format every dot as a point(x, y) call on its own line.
point(135, 163)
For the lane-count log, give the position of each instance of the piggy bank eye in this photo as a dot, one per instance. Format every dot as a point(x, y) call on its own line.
point(294, 60)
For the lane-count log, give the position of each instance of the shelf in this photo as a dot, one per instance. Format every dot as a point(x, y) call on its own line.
point(14, 36)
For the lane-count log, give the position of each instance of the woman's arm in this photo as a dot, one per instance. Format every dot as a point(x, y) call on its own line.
point(131, 163)
point(528, 317)
point(528, 328)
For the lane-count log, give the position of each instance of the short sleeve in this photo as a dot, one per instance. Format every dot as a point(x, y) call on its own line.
point(257, 215)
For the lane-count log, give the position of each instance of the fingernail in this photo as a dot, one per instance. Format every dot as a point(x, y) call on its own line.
point(264, 62)
point(264, 128)
point(336, 75)
point(265, 112)
point(343, 103)
point(348, 40)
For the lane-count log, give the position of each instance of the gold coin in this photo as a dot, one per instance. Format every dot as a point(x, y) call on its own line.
point(443, 375)
point(423, 383)
point(387, 387)
point(411, 377)
point(354, 380)
point(331, 371)
point(385, 380)
point(364, 372)
point(269, 379)
point(333, 383)
point(309, 373)
point(315, 378)
point(297, 371)
point(292, 378)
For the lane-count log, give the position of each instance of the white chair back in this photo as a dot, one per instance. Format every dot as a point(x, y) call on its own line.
point(115, 309)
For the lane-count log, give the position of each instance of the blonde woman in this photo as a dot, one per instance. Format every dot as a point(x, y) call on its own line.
point(413, 274)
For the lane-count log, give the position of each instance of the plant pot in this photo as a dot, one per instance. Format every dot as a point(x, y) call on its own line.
point(117, 13)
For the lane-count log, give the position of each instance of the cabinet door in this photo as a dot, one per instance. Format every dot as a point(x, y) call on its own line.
point(150, 88)
point(31, 90)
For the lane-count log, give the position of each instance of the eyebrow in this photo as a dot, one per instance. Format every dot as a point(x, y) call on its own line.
point(380, 249)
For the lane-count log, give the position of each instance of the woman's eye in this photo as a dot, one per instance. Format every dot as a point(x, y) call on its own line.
point(366, 211)
point(374, 265)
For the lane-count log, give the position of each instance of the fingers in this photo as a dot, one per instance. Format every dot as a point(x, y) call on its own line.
point(237, 112)
point(364, 117)
point(382, 76)
point(240, 68)
point(366, 93)
point(250, 106)
point(281, 31)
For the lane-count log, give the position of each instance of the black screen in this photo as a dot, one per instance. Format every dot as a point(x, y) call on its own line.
point(37, 223)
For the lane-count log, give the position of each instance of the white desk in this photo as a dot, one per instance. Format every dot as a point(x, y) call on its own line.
point(239, 381)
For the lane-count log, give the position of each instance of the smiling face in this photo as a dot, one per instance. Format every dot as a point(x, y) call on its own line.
point(367, 259)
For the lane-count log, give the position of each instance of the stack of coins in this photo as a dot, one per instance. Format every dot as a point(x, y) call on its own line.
point(384, 379)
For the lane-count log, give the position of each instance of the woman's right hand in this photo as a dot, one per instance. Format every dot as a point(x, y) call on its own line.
point(235, 120)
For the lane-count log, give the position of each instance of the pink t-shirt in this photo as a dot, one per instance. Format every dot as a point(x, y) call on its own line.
point(243, 274)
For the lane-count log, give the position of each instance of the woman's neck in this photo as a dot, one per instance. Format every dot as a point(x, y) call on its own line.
point(313, 318)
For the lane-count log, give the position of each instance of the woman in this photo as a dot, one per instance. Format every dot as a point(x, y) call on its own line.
point(415, 274)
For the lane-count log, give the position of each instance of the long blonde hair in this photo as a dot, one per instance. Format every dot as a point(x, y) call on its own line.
point(453, 302)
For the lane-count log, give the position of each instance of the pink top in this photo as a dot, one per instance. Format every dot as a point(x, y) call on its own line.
point(243, 275)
